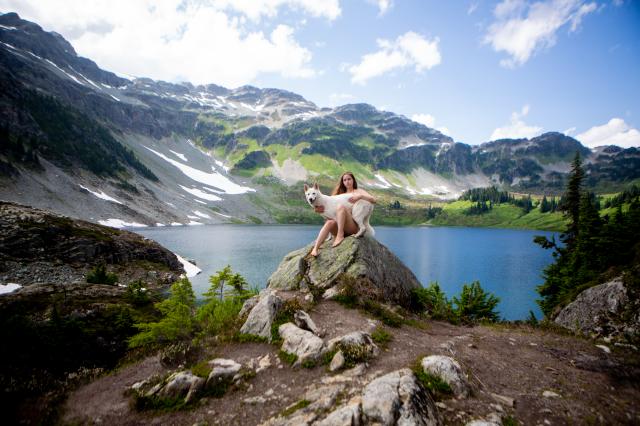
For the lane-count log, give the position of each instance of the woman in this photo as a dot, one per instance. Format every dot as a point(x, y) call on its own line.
point(344, 224)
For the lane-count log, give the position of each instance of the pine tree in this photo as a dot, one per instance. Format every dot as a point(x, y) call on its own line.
point(572, 197)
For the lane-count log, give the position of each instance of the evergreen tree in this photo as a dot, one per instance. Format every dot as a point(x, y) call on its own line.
point(572, 197)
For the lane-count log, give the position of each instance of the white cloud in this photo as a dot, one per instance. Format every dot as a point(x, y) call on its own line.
point(472, 8)
point(410, 49)
point(383, 5)
point(256, 9)
point(615, 132)
point(176, 41)
point(570, 131)
point(517, 128)
point(523, 29)
point(430, 121)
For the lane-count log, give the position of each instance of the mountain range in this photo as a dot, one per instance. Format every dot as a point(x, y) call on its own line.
point(86, 142)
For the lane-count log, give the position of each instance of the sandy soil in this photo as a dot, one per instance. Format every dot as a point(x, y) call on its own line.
point(518, 362)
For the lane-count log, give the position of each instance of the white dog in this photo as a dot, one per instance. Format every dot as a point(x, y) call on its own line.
point(360, 211)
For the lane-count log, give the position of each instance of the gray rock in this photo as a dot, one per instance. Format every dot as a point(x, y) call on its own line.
point(356, 346)
point(345, 415)
point(248, 305)
point(593, 307)
point(447, 369)
point(304, 321)
point(262, 314)
point(398, 398)
point(378, 273)
point(302, 343)
point(222, 371)
point(182, 384)
point(337, 362)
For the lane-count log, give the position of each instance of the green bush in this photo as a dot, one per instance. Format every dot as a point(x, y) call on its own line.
point(223, 301)
point(432, 300)
point(438, 388)
point(137, 294)
point(474, 304)
point(99, 275)
point(178, 322)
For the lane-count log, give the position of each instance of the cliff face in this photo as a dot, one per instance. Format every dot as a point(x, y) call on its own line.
point(40, 247)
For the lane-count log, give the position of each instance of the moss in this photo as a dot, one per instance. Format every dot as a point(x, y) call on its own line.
point(309, 363)
point(201, 369)
point(438, 388)
point(295, 407)
point(384, 314)
point(284, 316)
point(287, 358)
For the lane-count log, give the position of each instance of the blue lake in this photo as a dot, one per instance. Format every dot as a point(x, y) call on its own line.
point(505, 261)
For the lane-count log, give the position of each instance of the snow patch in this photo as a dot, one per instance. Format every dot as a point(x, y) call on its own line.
point(385, 183)
point(9, 287)
point(180, 156)
point(176, 224)
point(101, 195)
point(213, 179)
point(114, 97)
point(190, 269)
point(201, 202)
point(193, 222)
point(201, 194)
point(119, 223)
point(201, 215)
point(223, 215)
point(160, 224)
point(7, 28)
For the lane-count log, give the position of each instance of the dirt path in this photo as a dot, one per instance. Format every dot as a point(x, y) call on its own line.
point(515, 362)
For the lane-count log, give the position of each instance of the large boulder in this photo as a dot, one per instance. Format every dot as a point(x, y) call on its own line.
point(302, 343)
point(398, 398)
point(377, 272)
point(262, 315)
point(602, 310)
point(356, 346)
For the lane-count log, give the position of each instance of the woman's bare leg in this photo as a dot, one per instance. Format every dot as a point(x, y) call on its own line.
point(345, 225)
point(329, 226)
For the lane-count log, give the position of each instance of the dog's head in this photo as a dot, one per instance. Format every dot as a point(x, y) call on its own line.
point(311, 193)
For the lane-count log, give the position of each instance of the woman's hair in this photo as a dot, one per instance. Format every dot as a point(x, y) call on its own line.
point(340, 188)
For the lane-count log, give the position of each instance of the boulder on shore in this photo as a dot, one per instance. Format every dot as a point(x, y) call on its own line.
point(362, 262)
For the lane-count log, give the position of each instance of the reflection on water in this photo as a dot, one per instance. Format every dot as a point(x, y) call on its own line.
point(505, 261)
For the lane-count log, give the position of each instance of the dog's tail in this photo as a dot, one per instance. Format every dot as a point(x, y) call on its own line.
point(369, 232)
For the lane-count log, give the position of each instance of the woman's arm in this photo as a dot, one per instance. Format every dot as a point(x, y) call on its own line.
point(361, 194)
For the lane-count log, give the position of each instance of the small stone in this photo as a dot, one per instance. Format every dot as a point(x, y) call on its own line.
point(604, 348)
point(550, 394)
point(509, 402)
point(337, 362)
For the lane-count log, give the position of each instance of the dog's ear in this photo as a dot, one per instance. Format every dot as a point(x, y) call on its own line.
point(315, 185)
point(306, 187)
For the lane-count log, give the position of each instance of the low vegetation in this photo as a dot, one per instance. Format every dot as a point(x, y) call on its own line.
point(471, 306)
point(99, 275)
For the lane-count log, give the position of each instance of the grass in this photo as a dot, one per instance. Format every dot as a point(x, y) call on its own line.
point(295, 407)
point(249, 338)
point(438, 388)
point(287, 358)
point(201, 369)
point(381, 337)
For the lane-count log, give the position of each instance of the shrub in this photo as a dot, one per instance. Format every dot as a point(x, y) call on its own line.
point(178, 322)
point(219, 313)
point(432, 300)
point(137, 294)
point(474, 304)
point(99, 275)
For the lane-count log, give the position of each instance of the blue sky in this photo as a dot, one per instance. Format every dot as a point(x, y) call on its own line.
point(477, 70)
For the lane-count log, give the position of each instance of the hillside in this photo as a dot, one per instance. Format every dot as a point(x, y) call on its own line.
point(88, 143)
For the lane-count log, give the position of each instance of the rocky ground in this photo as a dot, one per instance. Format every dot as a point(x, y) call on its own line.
point(515, 372)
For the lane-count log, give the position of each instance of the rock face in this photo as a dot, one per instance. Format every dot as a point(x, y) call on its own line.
point(40, 247)
point(398, 398)
point(375, 270)
point(261, 316)
point(598, 311)
point(449, 371)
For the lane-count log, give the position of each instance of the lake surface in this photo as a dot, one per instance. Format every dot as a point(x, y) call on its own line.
point(505, 261)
